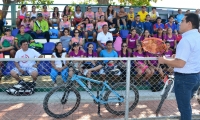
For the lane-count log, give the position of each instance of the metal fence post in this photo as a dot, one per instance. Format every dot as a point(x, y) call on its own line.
point(128, 70)
point(13, 13)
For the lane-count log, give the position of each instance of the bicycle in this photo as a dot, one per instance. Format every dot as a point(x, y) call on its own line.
point(110, 98)
point(169, 84)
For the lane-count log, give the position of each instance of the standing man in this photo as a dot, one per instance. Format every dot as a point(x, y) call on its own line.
point(186, 64)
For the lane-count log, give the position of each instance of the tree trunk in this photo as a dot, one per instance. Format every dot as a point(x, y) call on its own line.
point(5, 7)
point(103, 2)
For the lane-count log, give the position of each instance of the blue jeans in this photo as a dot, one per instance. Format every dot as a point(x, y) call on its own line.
point(54, 74)
point(185, 85)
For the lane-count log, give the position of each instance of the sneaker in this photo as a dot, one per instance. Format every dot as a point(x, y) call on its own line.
point(55, 85)
point(85, 72)
point(89, 85)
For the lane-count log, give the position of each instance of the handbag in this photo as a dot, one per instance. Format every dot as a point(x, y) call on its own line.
point(6, 43)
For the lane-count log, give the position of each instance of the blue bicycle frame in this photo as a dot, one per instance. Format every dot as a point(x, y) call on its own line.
point(117, 99)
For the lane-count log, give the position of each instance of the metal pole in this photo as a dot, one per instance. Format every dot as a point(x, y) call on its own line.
point(13, 13)
point(128, 87)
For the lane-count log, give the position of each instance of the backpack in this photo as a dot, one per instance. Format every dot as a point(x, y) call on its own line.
point(37, 46)
point(117, 44)
point(111, 68)
point(6, 43)
point(23, 89)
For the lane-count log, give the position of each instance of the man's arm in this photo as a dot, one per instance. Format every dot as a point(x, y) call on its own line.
point(177, 63)
point(46, 26)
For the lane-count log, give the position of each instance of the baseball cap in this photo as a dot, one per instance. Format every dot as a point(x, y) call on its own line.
point(75, 44)
point(39, 15)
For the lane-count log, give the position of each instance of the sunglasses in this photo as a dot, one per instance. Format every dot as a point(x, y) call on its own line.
point(90, 47)
point(89, 8)
point(124, 46)
point(76, 32)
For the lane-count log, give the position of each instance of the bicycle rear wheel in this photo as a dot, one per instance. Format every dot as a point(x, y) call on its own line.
point(61, 101)
point(163, 97)
point(119, 108)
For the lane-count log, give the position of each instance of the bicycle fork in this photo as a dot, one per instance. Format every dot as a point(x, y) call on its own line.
point(166, 84)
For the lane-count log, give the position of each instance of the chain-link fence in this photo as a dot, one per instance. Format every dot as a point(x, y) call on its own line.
point(82, 88)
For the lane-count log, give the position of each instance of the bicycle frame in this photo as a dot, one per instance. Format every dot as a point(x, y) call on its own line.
point(166, 84)
point(100, 100)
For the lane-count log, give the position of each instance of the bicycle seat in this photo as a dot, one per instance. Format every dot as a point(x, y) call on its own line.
point(171, 76)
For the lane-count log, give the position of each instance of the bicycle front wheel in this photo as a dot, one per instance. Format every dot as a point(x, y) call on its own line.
point(163, 97)
point(61, 101)
point(119, 108)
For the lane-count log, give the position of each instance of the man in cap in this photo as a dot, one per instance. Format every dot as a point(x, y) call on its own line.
point(41, 28)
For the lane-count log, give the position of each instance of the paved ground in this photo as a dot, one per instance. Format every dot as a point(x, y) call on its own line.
point(31, 108)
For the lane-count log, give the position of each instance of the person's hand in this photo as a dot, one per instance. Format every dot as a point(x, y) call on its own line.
point(21, 71)
point(161, 60)
point(59, 69)
point(35, 66)
point(173, 56)
point(38, 31)
point(111, 20)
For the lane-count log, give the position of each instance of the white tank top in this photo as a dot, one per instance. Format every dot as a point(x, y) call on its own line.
point(58, 63)
point(33, 14)
point(78, 15)
point(22, 14)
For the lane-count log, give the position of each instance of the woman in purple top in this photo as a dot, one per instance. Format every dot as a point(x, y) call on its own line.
point(76, 53)
point(146, 34)
point(90, 65)
point(160, 34)
point(141, 66)
point(168, 54)
point(123, 53)
point(154, 66)
point(132, 40)
point(171, 38)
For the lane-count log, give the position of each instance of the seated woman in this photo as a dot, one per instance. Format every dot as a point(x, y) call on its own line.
point(67, 11)
point(141, 65)
point(89, 14)
point(146, 34)
point(92, 65)
point(98, 14)
point(78, 15)
point(64, 24)
point(89, 29)
point(155, 66)
point(111, 17)
point(76, 53)
point(171, 38)
point(160, 34)
point(124, 53)
point(65, 39)
point(59, 66)
point(27, 24)
point(33, 13)
point(168, 54)
point(7, 43)
point(100, 24)
point(22, 36)
point(46, 14)
point(21, 14)
point(77, 39)
point(55, 16)
point(132, 40)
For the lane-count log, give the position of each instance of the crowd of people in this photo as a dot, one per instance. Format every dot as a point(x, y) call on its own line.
point(103, 27)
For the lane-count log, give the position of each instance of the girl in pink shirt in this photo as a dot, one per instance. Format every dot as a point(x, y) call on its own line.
point(89, 14)
point(64, 24)
point(146, 34)
point(132, 40)
point(77, 39)
point(7, 43)
point(27, 23)
point(98, 14)
point(100, 24)
point(46, 14)
point(89, 29)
